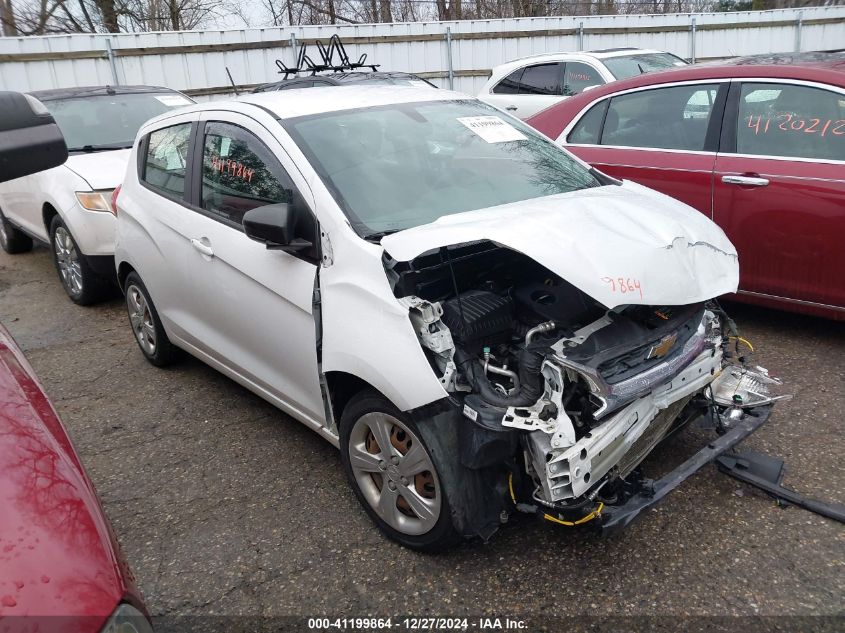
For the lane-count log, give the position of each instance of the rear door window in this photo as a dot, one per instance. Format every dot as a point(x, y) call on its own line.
point(239, 173)
point(791, 121)
point(675, 117)
point(166, 158)
point(542, 79)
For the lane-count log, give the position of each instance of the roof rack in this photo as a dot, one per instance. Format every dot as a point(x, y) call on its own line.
point(305, 64)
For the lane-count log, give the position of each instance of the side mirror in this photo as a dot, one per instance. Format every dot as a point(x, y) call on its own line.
point(275, 226)
point(30, 140)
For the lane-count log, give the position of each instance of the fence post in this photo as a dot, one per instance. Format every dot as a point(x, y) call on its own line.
point(449, 57)
point(581, 36)
point(692, 40)
point(798, 22)
point(110, 53)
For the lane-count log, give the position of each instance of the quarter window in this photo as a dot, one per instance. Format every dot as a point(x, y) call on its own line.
point(791, 121)
point(510, 84)
point(587, 130)
point(663, 118)
point(239, 173)
point(579, 76)
point(166, 157)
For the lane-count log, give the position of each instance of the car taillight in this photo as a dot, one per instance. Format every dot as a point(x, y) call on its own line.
point(114, 200)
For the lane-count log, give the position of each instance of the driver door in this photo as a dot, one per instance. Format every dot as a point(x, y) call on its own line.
point(253, 306)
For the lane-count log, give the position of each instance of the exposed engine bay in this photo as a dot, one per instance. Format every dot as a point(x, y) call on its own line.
point(567, 394)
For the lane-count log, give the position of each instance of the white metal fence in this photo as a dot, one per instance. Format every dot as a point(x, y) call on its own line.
point(459, 52)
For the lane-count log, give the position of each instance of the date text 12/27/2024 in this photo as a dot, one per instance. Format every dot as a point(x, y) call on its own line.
point(484, 623)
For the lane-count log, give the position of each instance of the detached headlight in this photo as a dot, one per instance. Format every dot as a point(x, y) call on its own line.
point(95, 200)
point(127, 619)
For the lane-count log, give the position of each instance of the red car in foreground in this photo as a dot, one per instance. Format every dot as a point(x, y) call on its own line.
point(61, 569)
point(757, 144)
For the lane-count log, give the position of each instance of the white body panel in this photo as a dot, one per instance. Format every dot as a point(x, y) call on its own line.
point(522, 106)
point(23, 199)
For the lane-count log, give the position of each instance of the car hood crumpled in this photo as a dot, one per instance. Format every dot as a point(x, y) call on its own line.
point(619, 244)
point(101, 170)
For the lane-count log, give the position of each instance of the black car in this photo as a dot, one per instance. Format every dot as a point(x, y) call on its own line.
point(344, 78)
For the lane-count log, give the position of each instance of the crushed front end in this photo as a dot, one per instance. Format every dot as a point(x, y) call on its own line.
point(566, 398)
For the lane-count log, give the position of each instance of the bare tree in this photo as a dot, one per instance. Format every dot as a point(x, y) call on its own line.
point(7, 18)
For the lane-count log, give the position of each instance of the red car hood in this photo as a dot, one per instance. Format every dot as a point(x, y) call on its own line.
point(57, 553)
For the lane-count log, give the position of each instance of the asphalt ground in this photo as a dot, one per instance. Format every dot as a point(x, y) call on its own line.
point(224, 505)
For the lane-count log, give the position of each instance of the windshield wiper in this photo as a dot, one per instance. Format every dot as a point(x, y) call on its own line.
point(99, 148)
point(375, 237)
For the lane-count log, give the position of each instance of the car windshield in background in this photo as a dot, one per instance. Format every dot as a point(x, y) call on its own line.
point(398, 81)
point(399, 166)
point(632, 65)
point(109, 121)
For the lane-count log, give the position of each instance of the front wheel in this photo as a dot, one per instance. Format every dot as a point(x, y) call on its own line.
point(81, 283)
point(393, 474)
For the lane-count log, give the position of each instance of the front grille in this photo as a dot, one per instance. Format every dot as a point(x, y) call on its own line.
point(636, 360)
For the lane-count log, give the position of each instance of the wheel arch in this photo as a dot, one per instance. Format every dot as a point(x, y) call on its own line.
point(342, 387)
point(48, 212)
point(123, 270)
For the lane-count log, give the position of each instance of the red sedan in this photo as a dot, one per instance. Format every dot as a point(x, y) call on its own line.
point(58, 556)
point(757, 144)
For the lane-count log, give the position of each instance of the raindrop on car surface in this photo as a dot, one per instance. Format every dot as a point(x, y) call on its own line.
point(8, 601)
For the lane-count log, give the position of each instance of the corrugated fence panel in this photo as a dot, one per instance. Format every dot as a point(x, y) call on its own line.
point(196, 61)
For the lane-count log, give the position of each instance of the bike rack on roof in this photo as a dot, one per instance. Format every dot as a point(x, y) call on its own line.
point(305, 64)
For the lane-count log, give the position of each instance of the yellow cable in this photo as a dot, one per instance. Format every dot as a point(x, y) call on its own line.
point(593, 515)
point(742, 340)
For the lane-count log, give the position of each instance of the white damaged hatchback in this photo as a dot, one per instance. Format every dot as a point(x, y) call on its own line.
point(483, 324)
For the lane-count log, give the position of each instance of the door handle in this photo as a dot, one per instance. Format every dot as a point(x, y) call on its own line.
point(511, 108)
point(203, 248)
point(748, 181)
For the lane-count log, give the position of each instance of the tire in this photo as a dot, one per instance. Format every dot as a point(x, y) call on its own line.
point(11, 239)
point(420, 517)
point(81, 283)
point(146, 324)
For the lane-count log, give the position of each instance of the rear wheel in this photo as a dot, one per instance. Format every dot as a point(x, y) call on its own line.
point(146, 324)
point(81, 283)
point(11, 239)
point(393, 474)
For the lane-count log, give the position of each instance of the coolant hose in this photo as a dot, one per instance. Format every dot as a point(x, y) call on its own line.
point(530, 380)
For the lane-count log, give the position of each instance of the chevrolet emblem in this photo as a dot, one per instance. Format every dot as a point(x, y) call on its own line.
point(659, 350)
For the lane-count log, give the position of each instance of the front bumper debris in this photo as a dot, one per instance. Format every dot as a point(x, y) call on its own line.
point(614, 518)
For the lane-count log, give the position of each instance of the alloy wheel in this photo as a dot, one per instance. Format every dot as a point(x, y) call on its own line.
point(67, 258)
point(141, 319)
point(395, 473)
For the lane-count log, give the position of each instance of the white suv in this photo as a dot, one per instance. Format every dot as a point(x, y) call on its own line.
point(69, 206)
point(525, 86)
point(478, 320)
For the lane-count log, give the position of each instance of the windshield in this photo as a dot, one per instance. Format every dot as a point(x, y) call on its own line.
point(632, 65)
point(109, 121)
point(399, 166)
point(409, 80)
